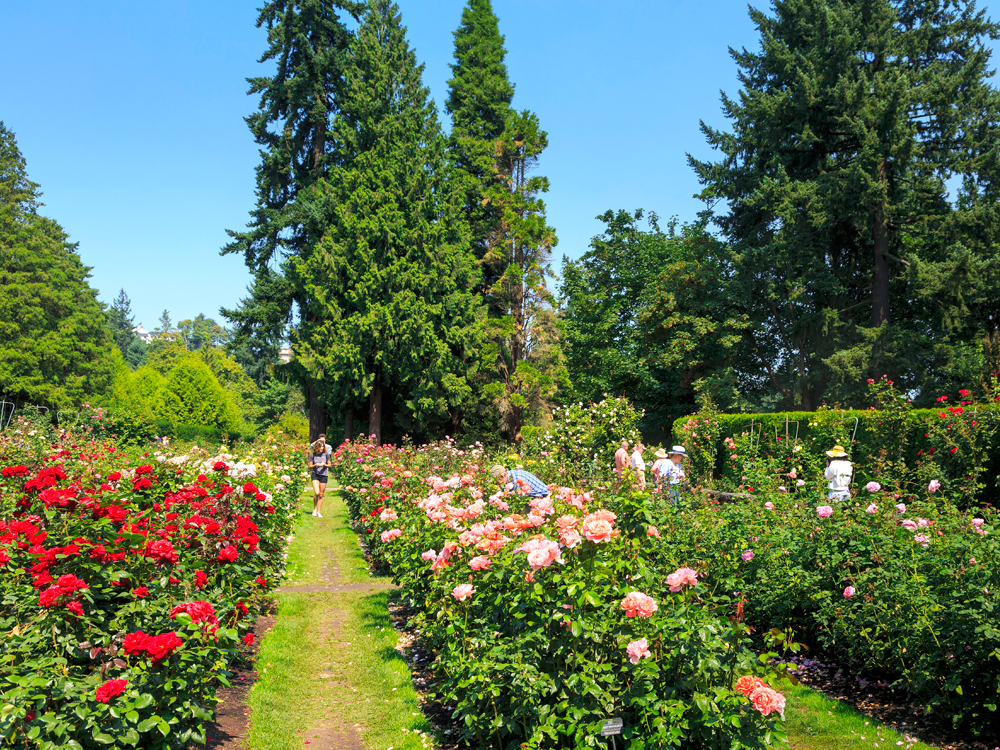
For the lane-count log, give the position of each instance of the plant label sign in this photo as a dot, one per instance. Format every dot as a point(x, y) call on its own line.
point(611, 727)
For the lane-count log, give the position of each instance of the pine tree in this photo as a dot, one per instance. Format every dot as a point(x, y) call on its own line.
point(307, 40)
point(524, 335)
point(55, 345)
point(853, 117)
point(121, 321)
point(390, 314)
point(192, 395)
point(479, 97)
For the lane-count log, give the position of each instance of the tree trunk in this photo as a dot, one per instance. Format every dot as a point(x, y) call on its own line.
point(348, 423)
point(317, 414)
point(375, 411)
point(880, 270)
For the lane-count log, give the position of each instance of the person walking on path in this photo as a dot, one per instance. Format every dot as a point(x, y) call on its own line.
point(838, 473)
point(513, 478)
point(621, 463)
point(319, 464)
point(639, 465)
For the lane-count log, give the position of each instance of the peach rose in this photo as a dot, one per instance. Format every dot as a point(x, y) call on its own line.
point(768, 701)
point(637, 604)
point(463, 591)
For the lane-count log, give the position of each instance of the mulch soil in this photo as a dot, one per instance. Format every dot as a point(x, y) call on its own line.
point(875, 698)
point(231, 727)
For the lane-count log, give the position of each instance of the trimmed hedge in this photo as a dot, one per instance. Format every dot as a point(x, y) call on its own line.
point(954, 444)
point(198, 432)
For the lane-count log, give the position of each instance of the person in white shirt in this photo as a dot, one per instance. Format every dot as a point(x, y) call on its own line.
point(838, 473)
point(659, 468)
point(639, 466)
point(673, 473)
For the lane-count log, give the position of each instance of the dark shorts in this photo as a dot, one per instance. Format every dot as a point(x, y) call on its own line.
point(321, 478)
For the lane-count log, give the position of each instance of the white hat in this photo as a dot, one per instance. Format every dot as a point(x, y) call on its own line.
point(678, 450)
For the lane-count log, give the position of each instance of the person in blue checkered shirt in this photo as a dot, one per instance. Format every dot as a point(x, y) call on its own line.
point(511, 478)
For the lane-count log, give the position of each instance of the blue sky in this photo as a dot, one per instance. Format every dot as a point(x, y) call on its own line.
point(130, 116)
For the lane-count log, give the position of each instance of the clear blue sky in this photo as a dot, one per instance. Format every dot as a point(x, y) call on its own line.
point(130, 116)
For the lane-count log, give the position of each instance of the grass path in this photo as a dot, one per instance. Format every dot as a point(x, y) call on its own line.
point(331, 679)
point(328, 672)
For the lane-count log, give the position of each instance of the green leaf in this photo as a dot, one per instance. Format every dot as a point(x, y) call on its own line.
point(104, 739)
point(146, 724)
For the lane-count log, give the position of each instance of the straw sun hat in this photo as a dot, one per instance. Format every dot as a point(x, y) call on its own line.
point(661, 453)
point(837, 452)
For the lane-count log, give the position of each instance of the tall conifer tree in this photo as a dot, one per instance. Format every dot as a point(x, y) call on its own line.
point(852, 118)
point(308, 41)
point(391, 282)
point(479, 97)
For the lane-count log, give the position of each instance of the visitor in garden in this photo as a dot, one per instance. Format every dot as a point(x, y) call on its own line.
point(659, 468)
point(320, 463)
point(639, 465)
point(621, 463)
point(511, 478)
point(838, 474)
point(674, 473)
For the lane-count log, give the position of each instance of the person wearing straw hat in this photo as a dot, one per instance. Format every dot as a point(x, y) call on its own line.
point(838, 473)
point(659, 467)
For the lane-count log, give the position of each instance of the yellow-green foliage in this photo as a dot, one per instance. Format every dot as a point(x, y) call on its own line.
point(192, 395)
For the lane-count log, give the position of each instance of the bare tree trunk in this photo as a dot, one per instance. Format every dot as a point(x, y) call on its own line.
point(317, 414)
point(375, 411)
point(880, 270)
point(348, 423)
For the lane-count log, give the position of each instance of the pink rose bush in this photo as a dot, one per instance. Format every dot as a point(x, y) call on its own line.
point(542, 578)
point(824, 511)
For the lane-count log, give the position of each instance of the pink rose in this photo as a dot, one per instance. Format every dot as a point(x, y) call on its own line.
point(388, 536)
point(637, 604)
point(769, 505)
point(480, 562)
point(849, 592)
point(873, 486)
point(872, 509)
point(934, 486)
point(463, 591)
point(597, 529)
point(388, 515)
point(800, 483)
point(909, 525)
point(978, 522)
point(922, 539)
point(901, 508)
point(570, 538)
point(638, 650)
point(768, 701)
point(430, 555)
point(824, 511)
point(747, 556)
point(747, 684)
point(782, 489)
point(682, 577)
point(652, 531)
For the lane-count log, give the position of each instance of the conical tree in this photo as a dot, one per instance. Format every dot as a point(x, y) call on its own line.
point(307, 40)
point(391, 313)
point(853, 117)
point(479, 97)
point(55, 345)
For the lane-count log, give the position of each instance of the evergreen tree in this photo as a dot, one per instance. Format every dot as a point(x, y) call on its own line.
point(307, 40)
point(524, 340)
point(55, 345)
point(121, 321)
point(135, 355)
point(192, 395)
point(850, 259)
point(479, 97)
point(389, 312)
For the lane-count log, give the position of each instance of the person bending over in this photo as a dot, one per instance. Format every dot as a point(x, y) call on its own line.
point(511, 478)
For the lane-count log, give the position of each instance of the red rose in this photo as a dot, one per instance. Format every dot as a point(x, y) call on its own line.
point(249, 488)
point(76, 608)
point(199, 612)
point(110, 689)
point(248, 639)
point(162, 551)
point(135, 643)
point(228, 554)
point(50, 596)
point(161, 646)
point(200, 579)
point(71, 582)
point(140, 593)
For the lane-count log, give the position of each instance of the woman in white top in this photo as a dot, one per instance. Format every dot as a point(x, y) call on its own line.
point(838, 473)
point(659, 467)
